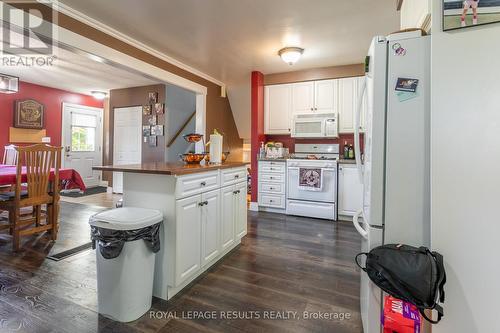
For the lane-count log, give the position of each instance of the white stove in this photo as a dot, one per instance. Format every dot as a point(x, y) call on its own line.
point(312, 181)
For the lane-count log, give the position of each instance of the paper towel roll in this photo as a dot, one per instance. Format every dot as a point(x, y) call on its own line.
point(215, 148)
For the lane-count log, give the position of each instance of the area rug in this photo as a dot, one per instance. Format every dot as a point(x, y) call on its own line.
point(89, 191)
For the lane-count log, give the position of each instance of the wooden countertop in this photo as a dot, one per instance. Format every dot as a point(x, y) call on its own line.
point(172, 168)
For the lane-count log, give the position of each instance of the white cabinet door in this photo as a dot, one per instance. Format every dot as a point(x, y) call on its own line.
point(188, 240)
point(364, 106)
point(303, 97)
point(227, 217)
point(350, 190)
point(277, 109)
point(348, 93)
point(325, 92)
point(210, 217)
point(241, 209)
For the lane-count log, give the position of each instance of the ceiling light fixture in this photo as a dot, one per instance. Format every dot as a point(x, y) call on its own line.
point(8, 84)
point(99, 94)
point(291, 55)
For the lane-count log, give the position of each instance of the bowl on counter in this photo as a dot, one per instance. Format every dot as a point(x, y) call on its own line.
point(224, 157)
point(192, 158)
point(193, 137)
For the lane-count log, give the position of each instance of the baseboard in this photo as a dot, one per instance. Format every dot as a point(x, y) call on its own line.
point(254, 206)
point(272, 210)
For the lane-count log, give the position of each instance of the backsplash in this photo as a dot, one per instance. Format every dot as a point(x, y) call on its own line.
point(290, 142)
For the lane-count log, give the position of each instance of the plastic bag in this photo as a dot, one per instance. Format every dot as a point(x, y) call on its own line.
point(111, 241)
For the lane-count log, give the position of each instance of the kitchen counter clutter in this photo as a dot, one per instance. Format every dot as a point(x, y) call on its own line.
point(205, 215)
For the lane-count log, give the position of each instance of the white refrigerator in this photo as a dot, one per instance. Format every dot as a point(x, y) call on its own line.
point(396, 169)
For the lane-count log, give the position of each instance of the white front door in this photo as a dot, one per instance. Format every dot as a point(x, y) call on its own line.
point(127, 145)
point(82, 141)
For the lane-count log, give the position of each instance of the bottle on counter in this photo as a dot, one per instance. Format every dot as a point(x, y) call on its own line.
point(262, 151)
point(346, 150)
point(351, 152)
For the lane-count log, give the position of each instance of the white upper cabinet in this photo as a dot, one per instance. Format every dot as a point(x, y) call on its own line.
point(348, 93)
point(283, 101)
point(325, 96)
point(277, 109)
point(303, 97)
point(364, 106)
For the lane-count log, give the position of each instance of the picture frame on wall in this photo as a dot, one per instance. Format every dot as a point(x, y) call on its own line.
point(459, 14)
point(152, 120)
point(152, 142)
point(152, 98)
point(146, 110)
point(29, 114)
point(159, 108)
point(157, 130)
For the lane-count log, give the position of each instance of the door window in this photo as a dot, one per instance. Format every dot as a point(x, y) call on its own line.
point(83, 131)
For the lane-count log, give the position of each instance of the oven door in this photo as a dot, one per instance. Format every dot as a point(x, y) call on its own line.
point(327, 194)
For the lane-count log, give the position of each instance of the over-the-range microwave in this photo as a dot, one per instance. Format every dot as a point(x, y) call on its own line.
point(315, 125)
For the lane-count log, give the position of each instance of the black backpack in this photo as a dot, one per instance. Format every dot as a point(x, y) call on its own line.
point(414, 275)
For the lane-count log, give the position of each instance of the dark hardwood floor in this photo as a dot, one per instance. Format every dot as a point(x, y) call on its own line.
point(285, 266)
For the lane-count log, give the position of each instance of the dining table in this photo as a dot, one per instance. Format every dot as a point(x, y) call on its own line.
point(69, 178)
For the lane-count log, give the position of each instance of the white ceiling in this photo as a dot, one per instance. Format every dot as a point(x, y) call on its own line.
point(227, 39)
point(76, 73)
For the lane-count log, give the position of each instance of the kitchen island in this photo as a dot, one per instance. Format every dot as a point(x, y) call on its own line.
point(204, 209)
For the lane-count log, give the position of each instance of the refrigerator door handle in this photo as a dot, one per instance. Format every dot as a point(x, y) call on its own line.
point(357, 123)
point(357, 225)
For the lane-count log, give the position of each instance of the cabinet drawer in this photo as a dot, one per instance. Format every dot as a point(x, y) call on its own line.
point(272, 168)
point(271, 200)
point(272, 177)
point(276, 188)
point(233, 176)
point(195, 184)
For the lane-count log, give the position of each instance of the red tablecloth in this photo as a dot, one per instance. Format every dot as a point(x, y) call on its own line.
point(69, 178)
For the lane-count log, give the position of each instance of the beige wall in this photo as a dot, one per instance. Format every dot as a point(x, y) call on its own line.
point(333, 72)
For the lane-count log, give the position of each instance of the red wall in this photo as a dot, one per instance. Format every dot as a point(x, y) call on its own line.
point(257, 128)
point(51, 98)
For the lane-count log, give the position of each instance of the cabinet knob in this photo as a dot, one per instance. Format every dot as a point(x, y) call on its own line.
point(203, 184)
point(236, 176)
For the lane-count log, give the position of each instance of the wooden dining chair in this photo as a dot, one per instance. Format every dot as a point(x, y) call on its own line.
point(9, 158)
point(38, 161)
point(10, 155)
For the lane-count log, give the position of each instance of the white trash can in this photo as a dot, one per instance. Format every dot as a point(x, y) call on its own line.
point(125, 274)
